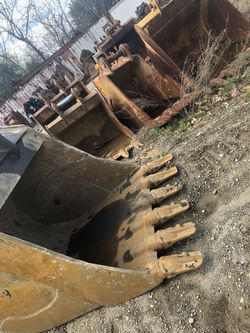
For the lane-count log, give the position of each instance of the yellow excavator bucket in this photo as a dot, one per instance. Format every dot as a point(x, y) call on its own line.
point(78, 232)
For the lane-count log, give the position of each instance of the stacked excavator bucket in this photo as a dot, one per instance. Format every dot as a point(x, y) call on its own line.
point(78, 232)
point(173, 33)
point(131, 92)
point(136, 92)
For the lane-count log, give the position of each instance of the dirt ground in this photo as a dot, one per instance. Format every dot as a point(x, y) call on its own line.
point(212, 155)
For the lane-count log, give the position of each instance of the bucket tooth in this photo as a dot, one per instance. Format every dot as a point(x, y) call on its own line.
point(158, 164)
point(159, 177)
point(163, 193)
point(152, 167)
point(162, 214)
point(163, 239)
point(170, 266)
point(154, 197)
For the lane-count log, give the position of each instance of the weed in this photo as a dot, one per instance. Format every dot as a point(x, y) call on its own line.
point(160, 155)
point(243, 57)
point(201, 70)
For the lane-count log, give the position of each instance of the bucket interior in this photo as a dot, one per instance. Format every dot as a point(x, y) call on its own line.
point(55, 194)
point(94, 133)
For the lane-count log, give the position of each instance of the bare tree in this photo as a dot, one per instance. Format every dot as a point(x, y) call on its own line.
point(86, 12)
point(99, 8)
point(7, 58)
point(10, 71)
point(54, 19)
point(16, 22)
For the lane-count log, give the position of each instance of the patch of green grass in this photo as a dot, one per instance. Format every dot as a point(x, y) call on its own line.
point(153, 133)
point(160, 155)
point(243, 56)
point(153, 157)
point(233, 79)
point(177, 125)
point(226, 90)
point(176, 138)
point(205, 98)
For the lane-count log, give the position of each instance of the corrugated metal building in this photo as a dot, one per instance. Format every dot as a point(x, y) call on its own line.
point(69, 56)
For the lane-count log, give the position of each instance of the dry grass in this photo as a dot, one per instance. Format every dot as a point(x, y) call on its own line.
point(147, 103)
point(202, 70)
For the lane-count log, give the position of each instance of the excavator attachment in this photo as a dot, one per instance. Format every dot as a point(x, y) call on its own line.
point(135, 91)
point(78, 232)
point(174, 31)
point(83, 120)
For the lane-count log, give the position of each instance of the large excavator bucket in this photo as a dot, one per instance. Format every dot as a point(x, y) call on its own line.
point(135, 91)
point(78, 232)
point(174, 31)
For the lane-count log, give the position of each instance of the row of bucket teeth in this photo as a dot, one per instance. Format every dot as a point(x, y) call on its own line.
point(149, 177)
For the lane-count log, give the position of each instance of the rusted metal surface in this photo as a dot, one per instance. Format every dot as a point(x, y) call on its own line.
point(83, 242)
point(120, 34)
point(177, 107)
point(176, 34)
point(177, 31)
point(130, 85)
point(162, 62)
point(86, 122)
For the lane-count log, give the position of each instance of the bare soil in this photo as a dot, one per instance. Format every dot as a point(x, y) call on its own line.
point(212, 156)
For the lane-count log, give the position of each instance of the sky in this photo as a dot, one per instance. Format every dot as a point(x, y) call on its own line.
point(37, 32)
point(19, 49)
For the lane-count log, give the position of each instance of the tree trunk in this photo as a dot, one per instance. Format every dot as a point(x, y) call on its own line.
point(40, 53)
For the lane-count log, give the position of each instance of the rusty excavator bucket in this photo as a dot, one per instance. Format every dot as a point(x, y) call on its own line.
point(174, 32)
point(88, 123)
point(78, 232)
point(135, 91)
